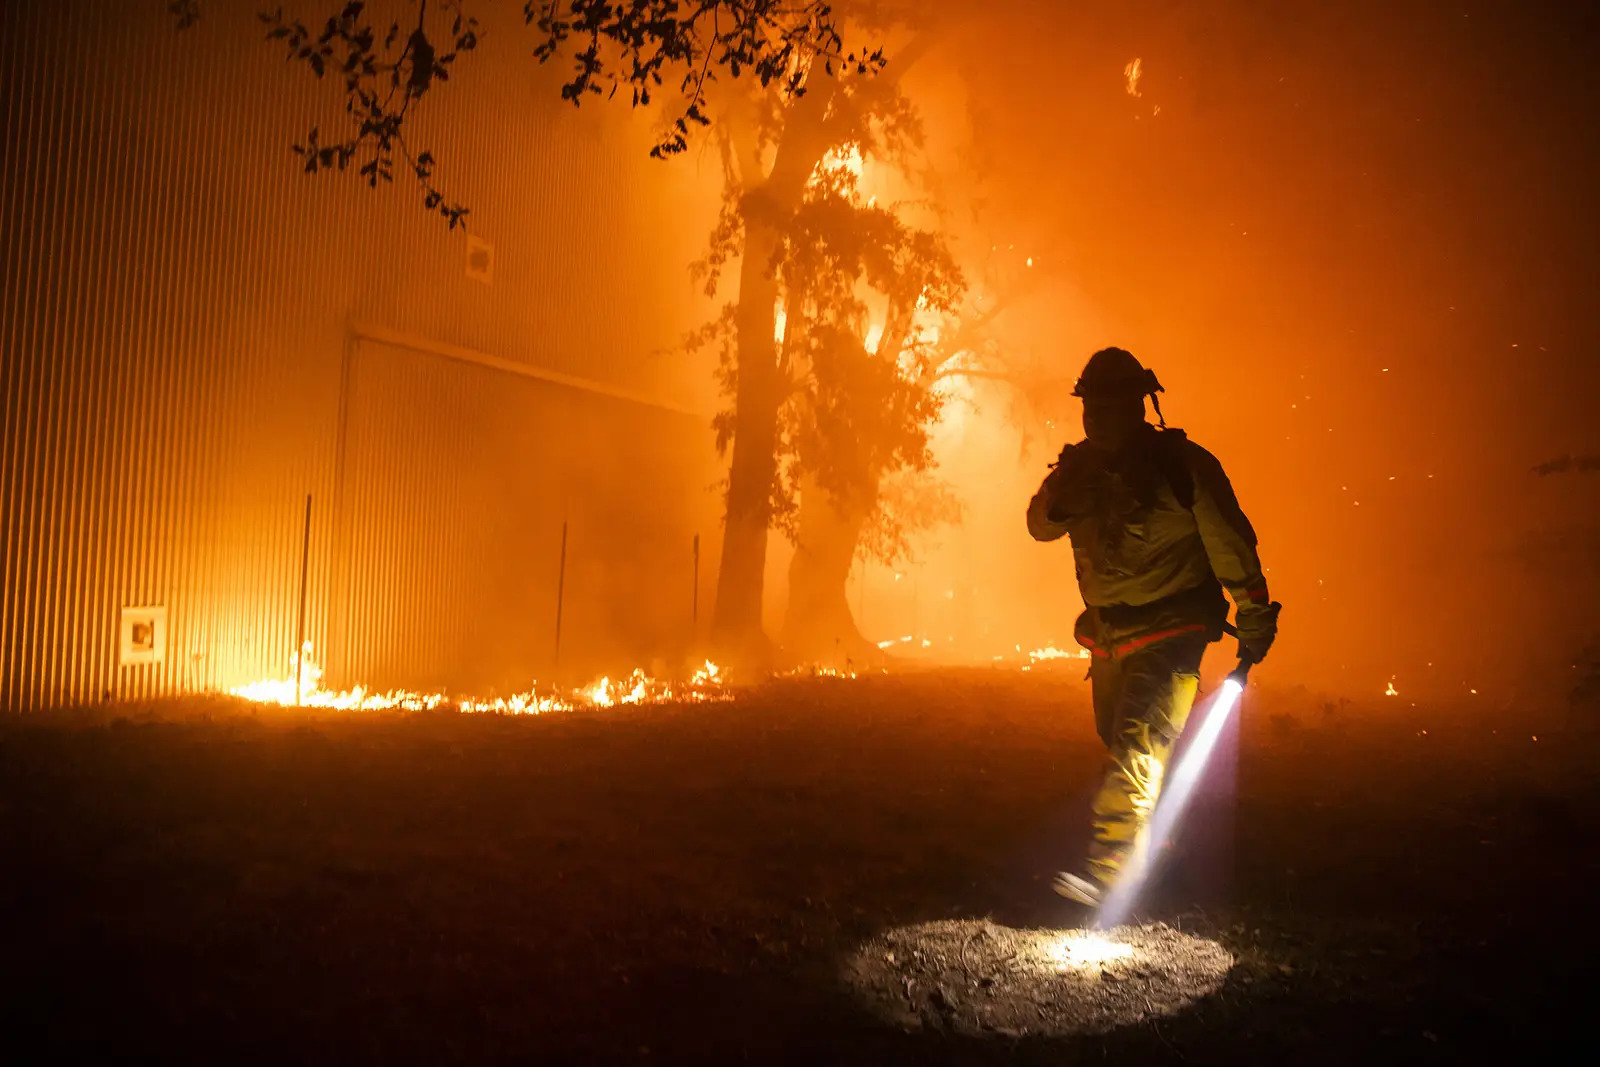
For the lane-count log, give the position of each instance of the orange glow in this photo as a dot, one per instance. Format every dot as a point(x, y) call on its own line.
point(849, 158)
point(874, 337)
point(1050, 652)
point(638, 688)
point(1357, 275)
point(817, 672)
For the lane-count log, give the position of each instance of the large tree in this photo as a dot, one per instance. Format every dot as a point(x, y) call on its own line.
point(877, 327)
point(793, 93)
point(775, 145)
point(854, 410)
point(859, 480)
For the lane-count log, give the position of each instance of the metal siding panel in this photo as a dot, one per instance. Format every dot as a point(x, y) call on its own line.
point(14, 114)
point(175, 309)
point(36, 440)
point(65, 327)
point(458, 480)
point(432, 580)
point(19, 370)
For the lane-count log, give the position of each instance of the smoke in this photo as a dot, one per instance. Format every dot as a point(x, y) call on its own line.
point(1356, 270)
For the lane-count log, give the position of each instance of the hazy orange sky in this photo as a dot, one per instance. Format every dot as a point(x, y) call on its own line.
point(1356, 242)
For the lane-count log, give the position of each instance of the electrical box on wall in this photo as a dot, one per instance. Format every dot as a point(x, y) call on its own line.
point(480, 259)
point(144, 635)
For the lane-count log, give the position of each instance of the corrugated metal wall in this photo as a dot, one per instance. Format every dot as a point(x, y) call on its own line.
point(178, 325)
point(450, 540)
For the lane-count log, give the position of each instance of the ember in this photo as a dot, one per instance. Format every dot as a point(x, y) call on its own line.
point(1050, 652)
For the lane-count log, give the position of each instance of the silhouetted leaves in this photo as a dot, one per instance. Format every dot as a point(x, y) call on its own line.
point(858, 416)
point(380, 83)
point(318, 156)
point(636, 43)
point(187, 12)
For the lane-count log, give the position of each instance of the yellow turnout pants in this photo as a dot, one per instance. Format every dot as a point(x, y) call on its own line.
point(1141, 702)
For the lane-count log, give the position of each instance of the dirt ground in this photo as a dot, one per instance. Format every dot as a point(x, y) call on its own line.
point(687, 884)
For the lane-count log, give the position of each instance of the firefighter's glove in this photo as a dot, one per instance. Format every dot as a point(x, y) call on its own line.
point(1064, 484)
point(1258, 628)
point(1061, 469)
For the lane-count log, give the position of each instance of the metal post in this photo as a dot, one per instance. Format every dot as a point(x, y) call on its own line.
point(916, 608)
point(300, 629)
point(861, 598)
point(561, 588)
point(694, 611)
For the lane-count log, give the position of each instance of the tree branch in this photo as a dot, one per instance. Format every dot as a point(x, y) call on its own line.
point(769, 40)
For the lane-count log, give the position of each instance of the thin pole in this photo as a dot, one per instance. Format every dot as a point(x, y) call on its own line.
point(694, 611)
point(861, 597)
point(916, 606)
point(300, 629)
point(561, 588)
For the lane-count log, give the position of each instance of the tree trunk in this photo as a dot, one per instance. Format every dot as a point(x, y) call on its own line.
point(818, 626)
point(736, 628)
point(766, 207)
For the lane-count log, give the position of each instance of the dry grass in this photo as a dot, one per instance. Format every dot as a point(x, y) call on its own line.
point(211, 882)
point(979, 979)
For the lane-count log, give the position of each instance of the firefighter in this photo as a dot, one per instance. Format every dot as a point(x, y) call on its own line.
point(1157, 536)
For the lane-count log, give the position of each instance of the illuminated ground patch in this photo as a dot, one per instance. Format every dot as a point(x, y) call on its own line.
point(977, 978)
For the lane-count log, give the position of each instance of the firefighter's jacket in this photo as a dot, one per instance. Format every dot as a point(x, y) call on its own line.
point(1156, 534)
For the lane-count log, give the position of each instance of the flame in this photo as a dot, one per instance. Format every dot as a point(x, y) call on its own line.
point(1133, 72)
point(874, 337)
point(1052, 652)
point(1391, 691)
point(849, 158)
point(817, 671)
point(707, 683)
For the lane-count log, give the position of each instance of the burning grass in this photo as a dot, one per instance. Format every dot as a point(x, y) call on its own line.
point(303, 688)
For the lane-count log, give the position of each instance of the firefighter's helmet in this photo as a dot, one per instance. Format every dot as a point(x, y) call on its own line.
point(1114, 372)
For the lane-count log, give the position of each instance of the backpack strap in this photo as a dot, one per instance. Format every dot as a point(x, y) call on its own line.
point(1174, 465)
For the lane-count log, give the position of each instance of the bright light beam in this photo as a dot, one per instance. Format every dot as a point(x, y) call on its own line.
point(1180, 785)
